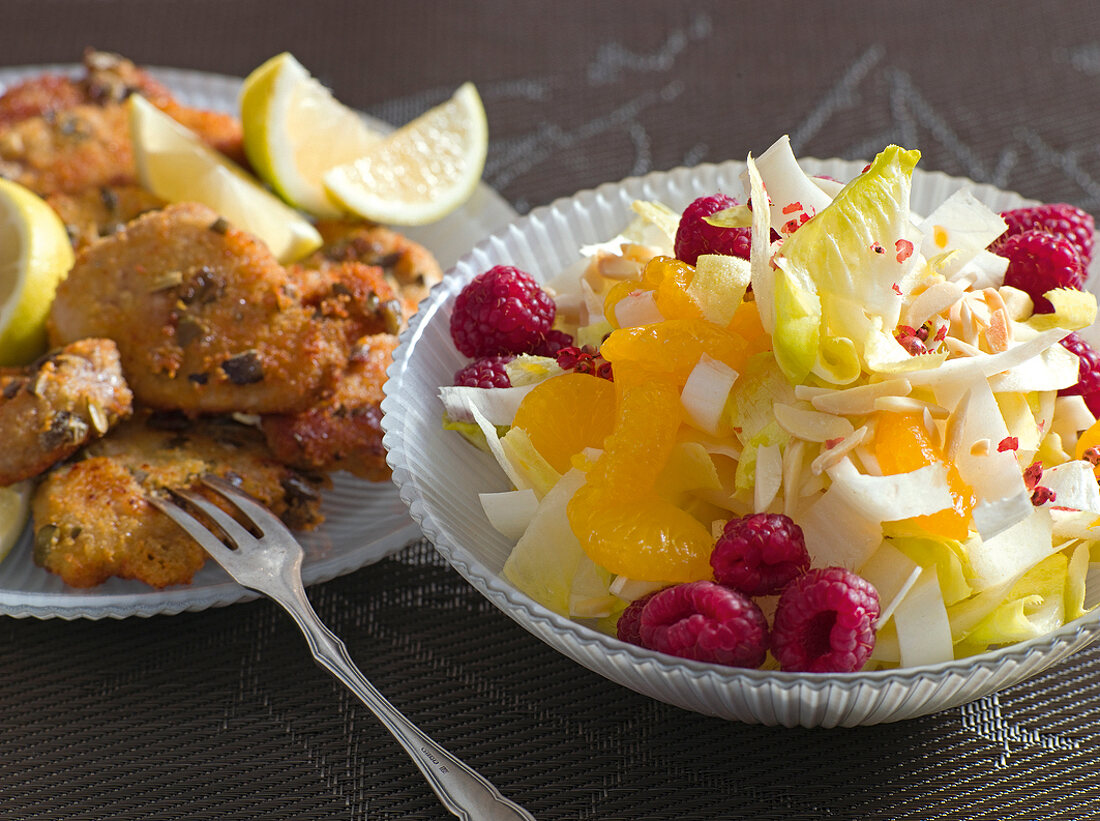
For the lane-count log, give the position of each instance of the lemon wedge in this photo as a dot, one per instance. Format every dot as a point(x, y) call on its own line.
point(295, 131)
point(15, 505)
point(422, 171)
point(35, 254)
point(175, 164)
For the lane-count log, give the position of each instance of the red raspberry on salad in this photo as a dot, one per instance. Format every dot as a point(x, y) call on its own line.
point(502, 311)
point(825, 622)
point(552, 342)
point(705, 621)
point(1068, 221)
point(1088, 373)
point(629, 626)
point(1038, 262)
point(759, 554)
point(696, 236)
point(487, 372)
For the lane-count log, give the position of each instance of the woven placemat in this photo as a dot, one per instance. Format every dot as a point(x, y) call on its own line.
point(223, 715)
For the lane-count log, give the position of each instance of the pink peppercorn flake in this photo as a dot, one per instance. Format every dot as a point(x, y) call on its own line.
point(1042, 495)
point(1032, 474)
point(1008, 443)
point(877, 248)
point(897, 289)
point(904, 248)
point(1092, 456)
point(832, 443)
point(941, 334)
point(793, 208)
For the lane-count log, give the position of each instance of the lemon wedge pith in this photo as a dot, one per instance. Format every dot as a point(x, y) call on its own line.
point(176, 165)
point(422, 171)
point(295, 131)
point(35, 254)
point(15, 503)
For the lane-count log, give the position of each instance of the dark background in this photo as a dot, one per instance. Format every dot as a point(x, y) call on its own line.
point(222, 715)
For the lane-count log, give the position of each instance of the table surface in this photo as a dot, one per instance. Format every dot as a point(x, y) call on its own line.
point(222, 714)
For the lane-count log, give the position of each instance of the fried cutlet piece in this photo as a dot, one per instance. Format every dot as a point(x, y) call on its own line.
point(409, 267)
point(92, 520)
point(207, 321)
point(98, 212)
point(86, 146)
point(40, 96)
point(65, 135)
point(344, 432)
point(108, 78)
point(52, 408)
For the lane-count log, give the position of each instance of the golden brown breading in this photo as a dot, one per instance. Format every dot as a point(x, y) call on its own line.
point(52, 408)
point(410, 268)
point(207, 321)
point(92, 520)
point(344, 432)
point(60, 135)
point(97, 212)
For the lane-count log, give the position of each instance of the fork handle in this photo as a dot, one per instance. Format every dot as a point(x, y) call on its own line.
point(463, 791)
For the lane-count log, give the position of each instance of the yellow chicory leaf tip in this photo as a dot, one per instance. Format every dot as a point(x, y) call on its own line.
point(1073, 310)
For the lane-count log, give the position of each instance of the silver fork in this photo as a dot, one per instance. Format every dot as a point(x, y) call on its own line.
point(271, 563)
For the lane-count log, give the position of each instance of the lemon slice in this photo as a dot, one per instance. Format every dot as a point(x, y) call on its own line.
point(15, 504)
point(422, 171)
point(175, 164)
point(35, 254)
point(295, 131)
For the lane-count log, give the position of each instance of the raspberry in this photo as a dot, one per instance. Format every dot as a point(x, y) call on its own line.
point(696, 236)
point(487, 372)
point(1059, 218)
point(759, 554)
point(825, 622)
point(1088, 373)
point(706, 622)
point(501, 311)
point(552, 342)
point(1039, 262)
point(629, 626)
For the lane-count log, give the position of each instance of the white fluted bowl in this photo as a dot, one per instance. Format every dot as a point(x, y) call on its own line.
point(439, 476)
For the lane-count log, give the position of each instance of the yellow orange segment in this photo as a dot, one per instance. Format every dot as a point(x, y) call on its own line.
point(746, 324)
point(645, 538)
point(902, 445)
point(670, 278)
point(672, 348)
point(618, 517)
point(565, 414)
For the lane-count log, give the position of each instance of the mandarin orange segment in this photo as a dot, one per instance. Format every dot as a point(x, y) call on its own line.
point(673, 347)
point(616, 294)
point(670, 278)
point(620, 521)
point(646, 423)
point(902, 445)
point(565, 414)
point(746, 324)
point(644, 537)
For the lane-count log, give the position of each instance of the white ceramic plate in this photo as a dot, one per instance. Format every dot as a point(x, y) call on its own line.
point(364, 521)
point(440, 475)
